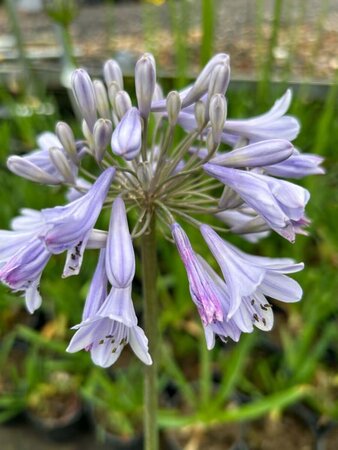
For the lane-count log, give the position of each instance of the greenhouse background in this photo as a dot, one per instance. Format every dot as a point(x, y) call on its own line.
point(269, 391)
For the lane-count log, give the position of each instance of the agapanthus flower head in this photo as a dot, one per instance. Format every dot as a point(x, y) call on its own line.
point(225, 168)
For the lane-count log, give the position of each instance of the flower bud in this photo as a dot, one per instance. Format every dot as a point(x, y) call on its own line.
point(112, 73)
point(120, 256)
point(145, 80)
point(102, 135)
point(83, 91)
point(200, 114)
point(173, 107)
point(127, 137)
point(101, 98)
point(201, 84)
point(26, 169)
point(122, 103)
point(217, 115)
point(66, 137)
point(61, 163)
point(219, 80)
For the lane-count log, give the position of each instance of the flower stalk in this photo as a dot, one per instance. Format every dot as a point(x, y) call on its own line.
point(149, 277)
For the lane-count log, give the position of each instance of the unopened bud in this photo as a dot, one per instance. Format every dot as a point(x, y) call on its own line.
point(200, 114)
point(201, 84)
point(61, 163)
point(173, 107)
point(120, 256)
point(101, 97)
point(66, 137)
point(112, 73)
point(83, 91)
point(102, 135)
point(219, 79)
point(122, 103)
point(145, 80)
point(127, 137)
point(26, 169)
point(217, 115)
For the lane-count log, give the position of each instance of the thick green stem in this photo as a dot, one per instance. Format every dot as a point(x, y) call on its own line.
point(149, 274)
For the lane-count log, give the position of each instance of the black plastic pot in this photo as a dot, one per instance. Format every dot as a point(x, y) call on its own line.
point(62, 429)
point(137, 442)
point(311, 419)
point(121, 443)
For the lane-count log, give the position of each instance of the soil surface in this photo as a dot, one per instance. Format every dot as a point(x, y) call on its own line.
point(266, 434)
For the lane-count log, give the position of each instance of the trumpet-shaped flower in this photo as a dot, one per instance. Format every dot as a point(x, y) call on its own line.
point(109, 322)
point(22, 271)
point(270, 125)
point(252, 311)
point(298, 165)
point(247, 276)
point(280, 203)
point(69, 226)
point(202, 288)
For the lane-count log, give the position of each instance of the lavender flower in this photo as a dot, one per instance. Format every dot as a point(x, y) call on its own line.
point(202, 289)
point(298, 165)
point(269, 152)
point(127, 137)
point(22, 271)
point(120, 260)
point(106, 338)
point(84, 93)
point(280, 203)
point(69, 226)
point(247, 275)
point(271, 125)
point(251, 312)
point(108, 322)
point(163, 184)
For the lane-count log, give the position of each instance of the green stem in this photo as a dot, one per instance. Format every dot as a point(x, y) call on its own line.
point(208, 26)
point(270, 59)
point(149, 275)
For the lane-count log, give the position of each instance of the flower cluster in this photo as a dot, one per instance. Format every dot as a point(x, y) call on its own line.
point(230, 169)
